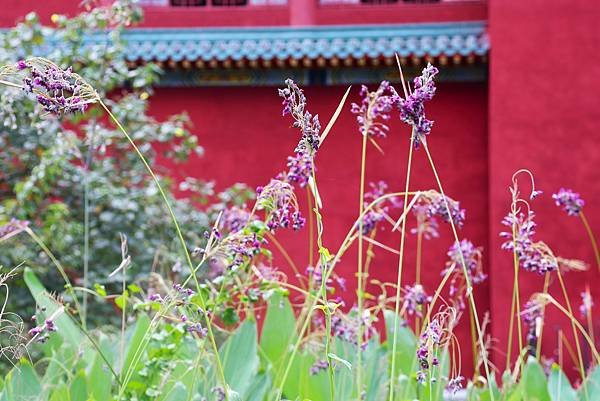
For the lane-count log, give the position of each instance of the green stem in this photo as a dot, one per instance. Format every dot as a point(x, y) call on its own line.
point(400, 265)
point(590, 234)
point(360, 289)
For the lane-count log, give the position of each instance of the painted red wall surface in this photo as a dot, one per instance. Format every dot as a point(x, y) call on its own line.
point(247, 140)
point(544, 81)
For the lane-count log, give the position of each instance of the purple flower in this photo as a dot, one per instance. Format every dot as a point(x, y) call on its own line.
point(586, 303)
point(294, 104)
point(198, 329)
point(532, 314)
point(429, 341)
point(446, 212)
point(300, 169)
point(234, 219)
point(319, 366)
point(58, 91)
point(472, 257)
point(569, 201)
point(375, 106)
point(219, 393)
point(239, 247)
point(533, 256)
point(412, 109)
point(455, 384)
point(13, 227)
point(279, 201)
point(415, 298)
point(427, 224)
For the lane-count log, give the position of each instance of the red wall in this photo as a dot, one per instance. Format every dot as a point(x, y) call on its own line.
point(543, 116)
point(247, 140)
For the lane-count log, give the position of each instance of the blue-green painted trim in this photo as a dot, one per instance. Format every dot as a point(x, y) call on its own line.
point(178, 44)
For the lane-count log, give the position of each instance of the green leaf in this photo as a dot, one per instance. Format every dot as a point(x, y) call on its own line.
point(559, 387)
point(61, 393)
point(66, 328)
point(534, 383)
point(178, 392)
point(590, 388)
point(230, 317)
point(135, 345)
point(239, 356)
point(406, 345)
point(278, 334)
point(101, 383)
point(78, 389)
point(22, 383)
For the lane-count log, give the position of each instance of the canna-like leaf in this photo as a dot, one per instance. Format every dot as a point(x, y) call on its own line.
point(66, 328)
point(534, 385)
point(239, 356)
point(559, 387)
point(590, 388)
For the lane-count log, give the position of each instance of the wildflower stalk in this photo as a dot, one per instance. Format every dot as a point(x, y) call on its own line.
point(538, 352)
point(418, 275)
point(86, 224)
point(515, 294)
point(576, 337)
point(399, 271)
point(183, 245)
point(360, 291)
point(590, 233)
point(346, 243)
point(573, 319)
point(469, 291)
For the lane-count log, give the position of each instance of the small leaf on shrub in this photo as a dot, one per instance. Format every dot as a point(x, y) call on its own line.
point(230, 317)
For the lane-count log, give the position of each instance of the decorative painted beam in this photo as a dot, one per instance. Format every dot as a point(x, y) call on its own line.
point(274, 44)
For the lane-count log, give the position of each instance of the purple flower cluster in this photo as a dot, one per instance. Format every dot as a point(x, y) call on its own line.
point(219, 393)
point(300, 168)
point(13, 227)
point(234, 219)
point(472, 257)
point(41, 332)
point(279, 201)
point(57, 91)
point(347, 329)
point(238, 247)
point(378, 212)
point(294, 104)
point(438, 208)
point(319, 366)
point(427, 225)
point(570, 201)
point(532, 313)
point(183, 291)
point(586, 304)
point(196, 328)
point(415, 298)
point(374, 106)
point(412, 109)
point(533, 256)
point(455, 384)
point(430, 339)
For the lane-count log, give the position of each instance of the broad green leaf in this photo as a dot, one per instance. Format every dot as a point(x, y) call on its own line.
point(22, 383)
point(78, 388)
point(134, 345)
point(66, 328)
point(590, 388)
point(239, 357)
point(559, 387)
point(533, 381)
point(406, 345)
point(178, 393)
point(278, 334)
point(101, 379)
point(259, 387)
point(61, 393)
